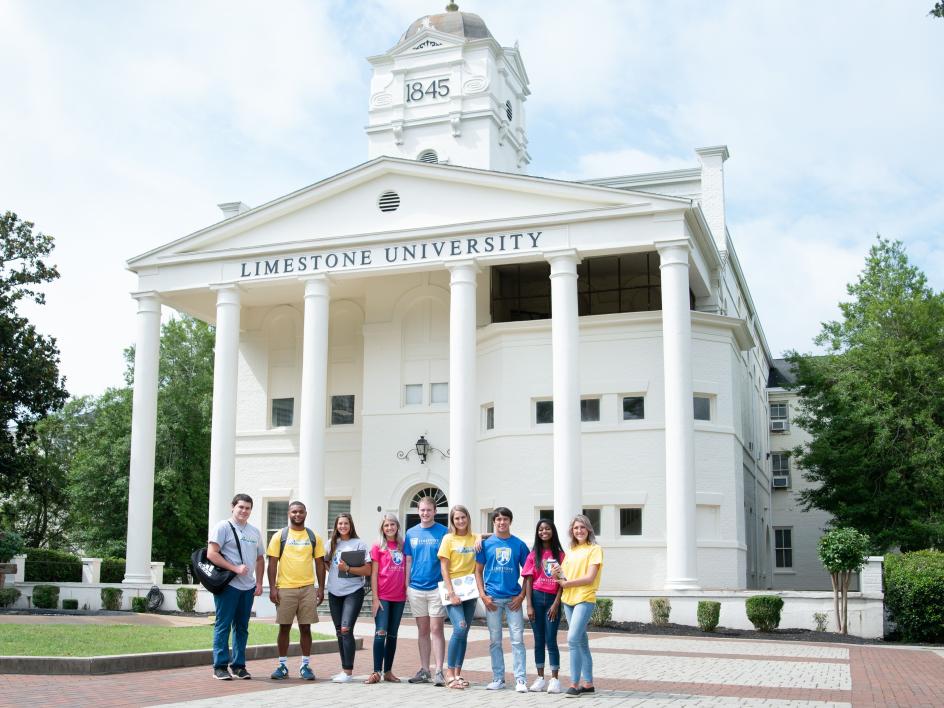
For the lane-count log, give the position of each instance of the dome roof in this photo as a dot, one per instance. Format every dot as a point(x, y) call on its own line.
point(463, 24)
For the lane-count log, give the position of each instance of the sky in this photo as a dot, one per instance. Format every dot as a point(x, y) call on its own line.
point(124, 123)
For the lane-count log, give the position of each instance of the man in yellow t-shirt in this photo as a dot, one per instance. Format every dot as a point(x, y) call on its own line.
point(296, 554)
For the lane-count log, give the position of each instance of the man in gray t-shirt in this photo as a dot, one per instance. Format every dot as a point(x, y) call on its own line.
point(236, 545)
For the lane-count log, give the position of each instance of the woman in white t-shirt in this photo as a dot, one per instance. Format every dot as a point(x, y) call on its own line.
point(346, 589)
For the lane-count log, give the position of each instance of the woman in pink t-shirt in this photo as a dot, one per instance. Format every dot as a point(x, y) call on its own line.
point(544, 598)
point(388, 587)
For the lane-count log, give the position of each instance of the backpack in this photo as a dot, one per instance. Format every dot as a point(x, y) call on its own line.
point(284, 537)
point(212, 577)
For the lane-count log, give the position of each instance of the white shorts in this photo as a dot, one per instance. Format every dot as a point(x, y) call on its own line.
point(425, 603)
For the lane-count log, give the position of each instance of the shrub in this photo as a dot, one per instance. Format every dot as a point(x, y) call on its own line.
point(660, 607)
point(602, 611)
point(11, 544)
point(821, 619)
point(914, 594)
point(46, 597)
point(9, 596)
point(45, 565)
point(111, 598)
point(842, 551)
point(709, 612)
point(186, 599)
point(764, 612)
point(139, 604)
point(71, 604)
point(175, 574)
point(113, 570)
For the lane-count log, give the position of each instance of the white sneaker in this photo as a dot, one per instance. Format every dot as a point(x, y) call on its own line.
point(521, 686)
point(539, 685)
point(495, 686)
point(553, 686)
point(342, 678)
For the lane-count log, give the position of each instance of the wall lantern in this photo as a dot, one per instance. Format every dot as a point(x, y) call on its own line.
point(422, 449)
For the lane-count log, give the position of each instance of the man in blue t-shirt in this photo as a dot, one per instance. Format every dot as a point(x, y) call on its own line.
point(421, 548)
point(498, 574)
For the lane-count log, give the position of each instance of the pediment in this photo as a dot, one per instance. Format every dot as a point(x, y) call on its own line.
point(426, 40)
point(346, 208)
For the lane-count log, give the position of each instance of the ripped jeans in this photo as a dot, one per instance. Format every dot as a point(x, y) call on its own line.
point(460, 616)
point(386, 624)
point(344, 611)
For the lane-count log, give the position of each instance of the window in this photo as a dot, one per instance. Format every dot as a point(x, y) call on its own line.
point(439, 393)
point(335, 507)
point(276, 517)
point(778, 411)
point(634, 408)
point(543, 412)
point(594, 516)
point(342, 410)
point(702, 408)
point(783, 547)
point(282, 412)
point(413, 395)
point(547, 514)
point(521, 292)
point(631, 522)
point(589, 410)
point(780, 470)
point(489, 417)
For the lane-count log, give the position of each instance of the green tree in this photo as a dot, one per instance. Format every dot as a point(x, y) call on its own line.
point(98, 479)
point(874, 406)
point(938, 9)
point(30, 385)
point(842, 552)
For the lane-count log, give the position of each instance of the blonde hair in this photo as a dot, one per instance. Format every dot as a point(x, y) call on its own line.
point(382, 542)
point(591, 537)
point(461, 509)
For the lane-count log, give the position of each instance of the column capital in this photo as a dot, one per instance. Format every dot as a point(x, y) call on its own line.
point(463, 271)
point(674, 251)
point(563, 261)
point(316, 285)
point(227, 293)
point(148, 300)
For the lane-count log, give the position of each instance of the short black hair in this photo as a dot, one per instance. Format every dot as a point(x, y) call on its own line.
point(241, 498)
point(297, 503)
point(503, 511)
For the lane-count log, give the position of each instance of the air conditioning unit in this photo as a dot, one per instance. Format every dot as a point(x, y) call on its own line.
point(779, 426)
point(781, 482)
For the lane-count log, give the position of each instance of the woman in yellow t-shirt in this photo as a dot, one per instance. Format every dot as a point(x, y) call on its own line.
point(457, 559)
point(579, 576)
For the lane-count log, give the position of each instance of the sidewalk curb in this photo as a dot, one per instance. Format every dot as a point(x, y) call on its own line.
point(126, 663)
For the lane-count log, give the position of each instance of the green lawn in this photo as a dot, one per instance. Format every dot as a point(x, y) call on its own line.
point(102, 640)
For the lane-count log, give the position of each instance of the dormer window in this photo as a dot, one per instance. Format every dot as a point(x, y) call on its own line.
point(428, 156)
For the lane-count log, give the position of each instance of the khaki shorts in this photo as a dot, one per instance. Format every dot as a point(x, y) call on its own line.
point(425, 603)
point(297, 602)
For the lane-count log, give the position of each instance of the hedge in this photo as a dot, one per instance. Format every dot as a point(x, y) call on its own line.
point(139, 604)
point(602, 612)
point(660, 608)
point(47, 566)
point(9, 596)
point(709, 612)
point(46, 597)
point(70, 604)
point(113, 570)
point(764, 611)
point(186, 599)
point(111, 598)
point(914, 594)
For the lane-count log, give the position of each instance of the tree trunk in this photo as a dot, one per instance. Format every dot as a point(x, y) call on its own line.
point(846, 575)
point(834, 577)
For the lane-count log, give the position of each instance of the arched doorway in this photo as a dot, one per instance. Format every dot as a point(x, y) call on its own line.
point(411, 511)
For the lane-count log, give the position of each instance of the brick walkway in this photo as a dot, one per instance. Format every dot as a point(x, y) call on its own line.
point(628, 670)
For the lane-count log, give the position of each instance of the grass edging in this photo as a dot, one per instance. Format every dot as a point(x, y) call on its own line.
point(126, 663)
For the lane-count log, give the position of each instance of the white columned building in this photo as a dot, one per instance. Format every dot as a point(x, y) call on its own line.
point(563, 346)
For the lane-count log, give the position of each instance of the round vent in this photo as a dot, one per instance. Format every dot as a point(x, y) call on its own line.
point(389, 201)
point(508, 109)
point(429, 156)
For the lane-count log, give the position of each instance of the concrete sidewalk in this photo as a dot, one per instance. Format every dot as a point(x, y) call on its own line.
point(628, 670)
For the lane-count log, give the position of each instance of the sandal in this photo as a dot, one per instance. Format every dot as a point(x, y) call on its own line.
point(455, 683)
point(373, 678)
point(390, 678)
point(465, 684)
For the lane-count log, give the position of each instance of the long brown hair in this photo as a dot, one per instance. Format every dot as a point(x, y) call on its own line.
point(335, 536)
point(462, 510)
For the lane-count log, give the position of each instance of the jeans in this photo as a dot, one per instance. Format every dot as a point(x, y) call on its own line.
point(386, 624)
point(344, 611)
point(545, 630)
point(460, 616)
point(515, 630)
point(581, 663)
point(232, 615)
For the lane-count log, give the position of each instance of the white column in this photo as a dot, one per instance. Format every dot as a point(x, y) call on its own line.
point(680, 549)
point(463, 411)
point(223, 433)
point(565, 343)
point(313, 406)
point(143, 439)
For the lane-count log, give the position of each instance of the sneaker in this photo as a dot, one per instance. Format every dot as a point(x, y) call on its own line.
point(422, 676)
point(305, 673)
point(439, 679)
point(222, 675)
point(521, 686)
point(241, 673)
point(587, 689)
point(553, 686)
point(342, 678)
point(572, 692)
point(539, 685)
point(280, 673)
point(496, 685)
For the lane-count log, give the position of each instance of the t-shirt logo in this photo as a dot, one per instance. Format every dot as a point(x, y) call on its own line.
point(414, 542)
point(503, 555)
point(548, 562)
point(396, 557)
point(337, 557)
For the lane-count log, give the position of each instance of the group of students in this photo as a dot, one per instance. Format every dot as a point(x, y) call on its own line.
point(440, 572)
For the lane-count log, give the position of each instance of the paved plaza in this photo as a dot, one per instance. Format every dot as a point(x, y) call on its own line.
point(629, 670)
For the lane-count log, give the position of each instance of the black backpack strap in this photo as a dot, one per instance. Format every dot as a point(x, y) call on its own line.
point(239, 546)
point(283, 537)
point(313, 539)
